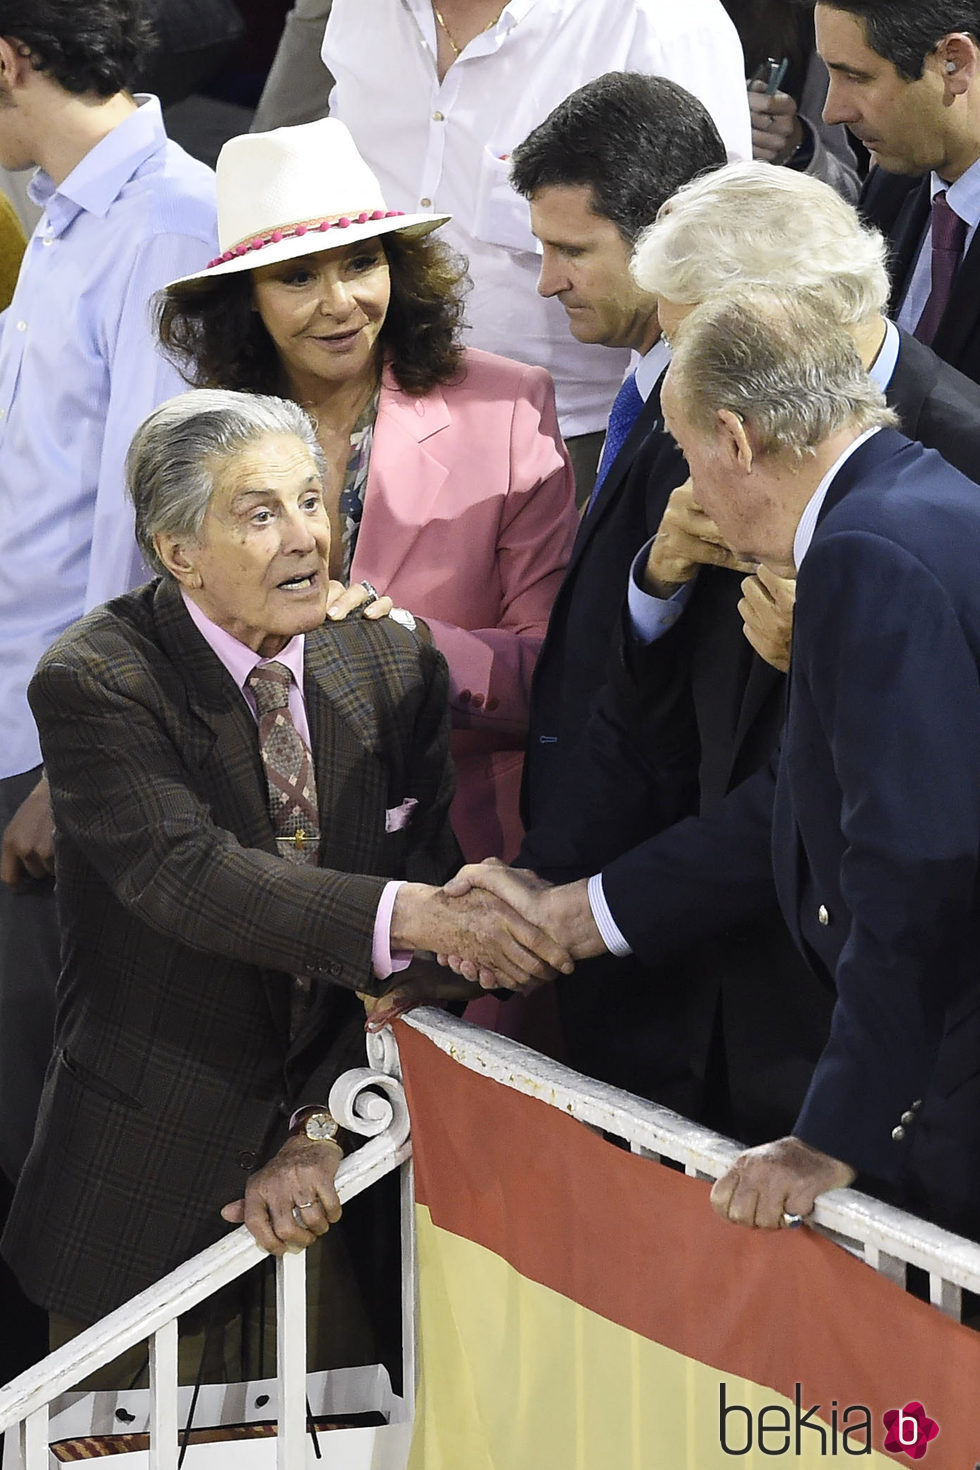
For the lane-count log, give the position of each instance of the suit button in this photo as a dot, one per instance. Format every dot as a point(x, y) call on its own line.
point(247, 1160)
point(898, 1134)
point(334, 969)
point(465, 696)
point(477, 700)
point(908, 1118)
point(493, 702)
point(823, 915)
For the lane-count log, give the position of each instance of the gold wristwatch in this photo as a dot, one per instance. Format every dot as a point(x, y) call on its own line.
point(316, 1124)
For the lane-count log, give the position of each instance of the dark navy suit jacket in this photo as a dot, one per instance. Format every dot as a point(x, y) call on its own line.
point(582, 629)
point(868, 827)
point(731, 1029)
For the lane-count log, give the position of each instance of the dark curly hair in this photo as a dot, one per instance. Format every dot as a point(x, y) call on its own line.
point(84, 45)
point(211, 332)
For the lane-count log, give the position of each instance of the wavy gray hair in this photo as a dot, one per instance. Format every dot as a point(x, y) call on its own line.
point(752, 222)
point(781, 364)
point(171, 463)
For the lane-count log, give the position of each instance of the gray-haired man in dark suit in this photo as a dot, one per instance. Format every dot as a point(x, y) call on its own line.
point(215, 841)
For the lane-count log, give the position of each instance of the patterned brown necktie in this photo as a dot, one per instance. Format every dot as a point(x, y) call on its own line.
point(288, 766)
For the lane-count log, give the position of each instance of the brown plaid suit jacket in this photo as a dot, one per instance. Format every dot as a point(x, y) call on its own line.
point(173, 1073)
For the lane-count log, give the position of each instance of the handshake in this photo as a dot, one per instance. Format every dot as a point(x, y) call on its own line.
point(495, 927)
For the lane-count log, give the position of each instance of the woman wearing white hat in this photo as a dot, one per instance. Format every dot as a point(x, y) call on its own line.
point(451, 489)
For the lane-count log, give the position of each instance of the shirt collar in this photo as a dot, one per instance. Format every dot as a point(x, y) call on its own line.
point(99, 177)
point(510, 15)
point(811, 511)
point(650, 367)
point(882, 369)
point(964, 195)
point(238, 659)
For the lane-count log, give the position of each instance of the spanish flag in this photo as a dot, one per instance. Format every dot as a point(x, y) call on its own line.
point(584, 1309)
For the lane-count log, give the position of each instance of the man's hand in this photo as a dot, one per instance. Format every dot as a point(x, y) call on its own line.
point(686, 539)
point(28, 842)
point(766, 610)
point(342, 600)
point(422, 984)
point(776, 129)
point(292, 1199)
point(564, 913)
point(776, 1178)
point(481, 929)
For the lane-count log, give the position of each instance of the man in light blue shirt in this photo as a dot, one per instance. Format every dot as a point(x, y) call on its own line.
point(124, 211)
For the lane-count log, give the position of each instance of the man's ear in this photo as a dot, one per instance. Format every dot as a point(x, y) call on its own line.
point(177, 555)
point(15, 66)
point(958, 59)
point(734, 440)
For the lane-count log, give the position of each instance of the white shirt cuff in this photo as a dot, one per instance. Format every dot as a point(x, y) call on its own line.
point(650, 617)
point(609, 931)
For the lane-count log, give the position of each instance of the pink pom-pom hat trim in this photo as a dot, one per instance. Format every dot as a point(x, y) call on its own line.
point(341, 222)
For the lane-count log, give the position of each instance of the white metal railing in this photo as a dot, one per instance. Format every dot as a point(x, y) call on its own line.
point(888, 1239)
point(369, 1101)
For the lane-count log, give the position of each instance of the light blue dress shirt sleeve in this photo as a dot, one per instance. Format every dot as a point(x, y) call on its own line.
point(140, 377)
point(650, 617)
point(79, 370)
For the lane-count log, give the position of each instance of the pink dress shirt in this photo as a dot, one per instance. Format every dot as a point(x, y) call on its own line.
point(240, 660)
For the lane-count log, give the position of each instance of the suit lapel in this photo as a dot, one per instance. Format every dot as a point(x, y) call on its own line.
point(906, 236)
point(959, 321)
point(865, 460)
point(398, 505)
point(760, 688)
point(911, 382)
point(343, 724)
point(648, 419)
point(223, 739)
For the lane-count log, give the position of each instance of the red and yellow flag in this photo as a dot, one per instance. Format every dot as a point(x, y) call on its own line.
point(583, 1309)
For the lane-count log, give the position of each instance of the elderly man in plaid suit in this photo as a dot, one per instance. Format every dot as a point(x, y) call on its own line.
point(227, 767)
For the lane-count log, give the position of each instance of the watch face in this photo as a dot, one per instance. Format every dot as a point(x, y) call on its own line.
point(321, 1127)
point(403, 616)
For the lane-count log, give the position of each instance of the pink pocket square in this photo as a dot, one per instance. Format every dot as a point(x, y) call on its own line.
point(397, 817)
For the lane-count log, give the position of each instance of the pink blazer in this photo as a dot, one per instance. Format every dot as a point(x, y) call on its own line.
point(469, 518)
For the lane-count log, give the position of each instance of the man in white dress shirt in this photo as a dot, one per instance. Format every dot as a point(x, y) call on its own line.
point(439, 96)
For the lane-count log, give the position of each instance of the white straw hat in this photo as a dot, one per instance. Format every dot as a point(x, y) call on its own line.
point(294, 191)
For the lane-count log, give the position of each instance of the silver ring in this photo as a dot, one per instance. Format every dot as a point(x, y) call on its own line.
point(792, 1222)
point(373, 595)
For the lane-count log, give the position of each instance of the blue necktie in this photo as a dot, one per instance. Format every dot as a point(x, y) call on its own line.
point(622, 416)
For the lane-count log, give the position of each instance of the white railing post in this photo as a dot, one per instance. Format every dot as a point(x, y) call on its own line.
point(291, 1347)
point(34, 1440)
point(370, 1103)
point(163, 1397)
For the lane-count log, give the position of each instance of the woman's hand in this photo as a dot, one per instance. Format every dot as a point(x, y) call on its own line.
point(342, 600)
